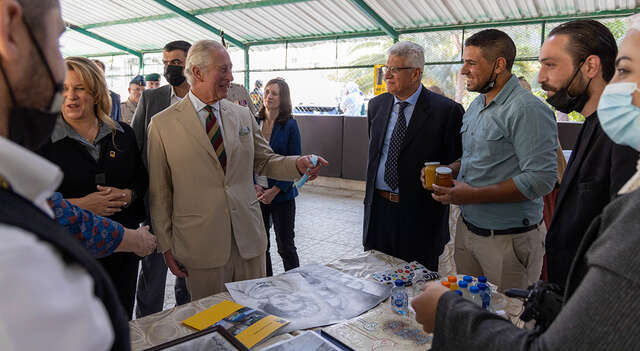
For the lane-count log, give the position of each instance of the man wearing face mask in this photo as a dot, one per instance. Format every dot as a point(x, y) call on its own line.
point(508, 163)
point(602, 296)
point(577, 62)
point(152, 279)
point(50, 283)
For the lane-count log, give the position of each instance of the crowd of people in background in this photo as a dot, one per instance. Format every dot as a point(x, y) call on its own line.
point(191, 177)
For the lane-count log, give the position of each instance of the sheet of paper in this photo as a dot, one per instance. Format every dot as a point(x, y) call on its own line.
point(308, 341)
point(292, 297)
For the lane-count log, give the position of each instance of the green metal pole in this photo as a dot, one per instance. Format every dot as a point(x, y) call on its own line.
point(197, 12)
point(104, 40)
point(246, 68)
point(200, 22)
point(373, 16)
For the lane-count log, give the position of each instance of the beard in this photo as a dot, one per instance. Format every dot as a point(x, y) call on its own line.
point(577, 87)
point(32, 88)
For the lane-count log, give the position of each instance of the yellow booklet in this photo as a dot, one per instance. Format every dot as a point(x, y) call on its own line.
point(249, 326)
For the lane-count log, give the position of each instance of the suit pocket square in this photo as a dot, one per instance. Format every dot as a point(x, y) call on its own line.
point(244, 130)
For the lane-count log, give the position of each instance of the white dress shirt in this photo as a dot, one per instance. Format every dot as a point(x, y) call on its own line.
point(45, 304)
point(174, 97)
point(199, 106)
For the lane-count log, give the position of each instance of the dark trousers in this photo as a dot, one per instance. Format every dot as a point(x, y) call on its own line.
point(283, 216)
point(151, 284)
point(122, 268)
point(386, 234)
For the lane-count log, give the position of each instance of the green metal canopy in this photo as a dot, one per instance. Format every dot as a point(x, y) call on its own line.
point(113, 27)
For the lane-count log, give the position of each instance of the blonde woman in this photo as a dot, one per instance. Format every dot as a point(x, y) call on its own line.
point(103, 169)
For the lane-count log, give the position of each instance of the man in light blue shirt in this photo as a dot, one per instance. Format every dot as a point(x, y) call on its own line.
point(508, 163)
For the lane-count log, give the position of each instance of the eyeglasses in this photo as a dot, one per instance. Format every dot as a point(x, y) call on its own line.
point(393, 70)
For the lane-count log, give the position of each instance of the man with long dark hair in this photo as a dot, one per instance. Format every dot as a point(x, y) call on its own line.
point(578, 60)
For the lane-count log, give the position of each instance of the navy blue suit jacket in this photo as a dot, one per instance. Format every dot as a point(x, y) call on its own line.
point(116, 114)
point(285, 140)
point(433, 134)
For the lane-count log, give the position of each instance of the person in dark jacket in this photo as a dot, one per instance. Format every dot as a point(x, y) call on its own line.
point(601, 300)
point(400, 217)
point(116, 113)
point(55, 296)
point(576, 65)
point(277, 198)
point(101, 161)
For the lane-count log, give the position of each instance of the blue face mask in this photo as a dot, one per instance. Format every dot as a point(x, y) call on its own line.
point(618, 117)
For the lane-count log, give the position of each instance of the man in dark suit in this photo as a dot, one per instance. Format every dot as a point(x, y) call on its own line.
point(407, 127)
point(152, 280)
point(576, 65)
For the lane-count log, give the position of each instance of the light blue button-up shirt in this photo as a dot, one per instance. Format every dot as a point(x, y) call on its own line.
point(514, 137)
point(408, 111)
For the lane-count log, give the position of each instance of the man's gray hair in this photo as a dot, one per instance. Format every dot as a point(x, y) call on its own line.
point(200, 55)
point(412, 53)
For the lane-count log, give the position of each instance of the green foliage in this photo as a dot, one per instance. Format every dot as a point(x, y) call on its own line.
point(446, 46)
point(576, 117)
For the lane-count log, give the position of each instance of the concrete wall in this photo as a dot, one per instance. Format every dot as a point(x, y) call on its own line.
point(344, 142)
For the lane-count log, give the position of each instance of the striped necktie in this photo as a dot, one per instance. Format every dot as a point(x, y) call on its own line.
point(391, 176)
point(215, 135)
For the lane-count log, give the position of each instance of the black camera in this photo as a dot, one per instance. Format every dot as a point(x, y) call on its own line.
point(542, 303)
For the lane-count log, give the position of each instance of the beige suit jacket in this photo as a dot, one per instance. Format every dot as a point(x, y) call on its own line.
point(196, 207)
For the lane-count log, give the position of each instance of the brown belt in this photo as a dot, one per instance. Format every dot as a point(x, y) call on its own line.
point(393, 197)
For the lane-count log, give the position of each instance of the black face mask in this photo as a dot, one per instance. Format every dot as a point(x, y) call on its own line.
point(565, 103)
point(28, 126)
point(490, 83)
point(174, 75)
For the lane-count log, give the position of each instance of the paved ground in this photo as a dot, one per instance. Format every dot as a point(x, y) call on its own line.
point(328, 226)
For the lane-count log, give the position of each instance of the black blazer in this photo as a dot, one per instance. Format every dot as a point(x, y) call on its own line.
point(18, 211)
point(121, 163)
point(433, 135)
point(152, 102)
point(596, 171)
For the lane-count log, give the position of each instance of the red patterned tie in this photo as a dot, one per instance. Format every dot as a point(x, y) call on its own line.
point(215, 135)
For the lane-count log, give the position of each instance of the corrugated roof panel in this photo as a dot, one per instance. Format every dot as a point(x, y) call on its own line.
point(235, 23)
point(275, 20)
point(201, 4)
point(424, 13)
point(82, 12)
point(289, 20)
point(73, 43)
point(154, 35)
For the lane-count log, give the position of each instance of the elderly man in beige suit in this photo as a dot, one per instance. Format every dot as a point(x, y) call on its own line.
point(203, 152)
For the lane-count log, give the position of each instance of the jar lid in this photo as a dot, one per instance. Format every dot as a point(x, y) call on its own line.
point(444, 170)
point(431, 163)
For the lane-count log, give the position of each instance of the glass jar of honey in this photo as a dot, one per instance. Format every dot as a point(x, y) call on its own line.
point(444, 177)
point(429, 173)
